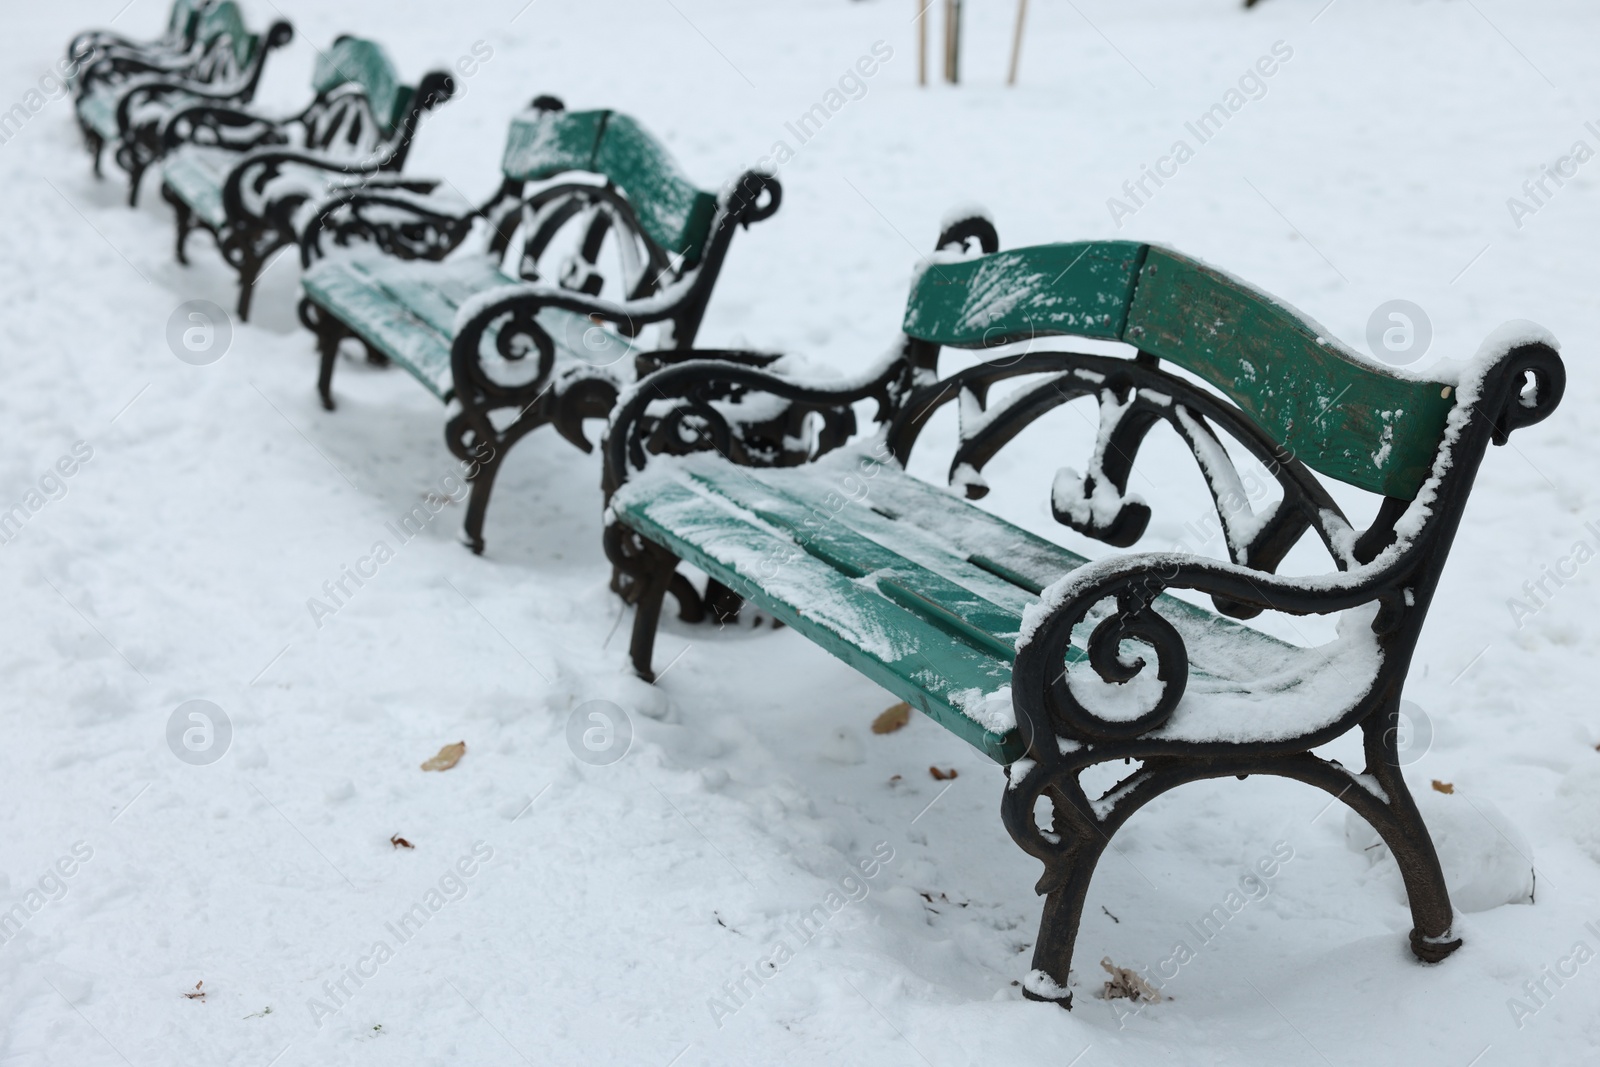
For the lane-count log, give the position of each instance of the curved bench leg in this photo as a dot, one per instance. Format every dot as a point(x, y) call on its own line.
point(1058, 922)
point(478, 504)
point(329, 332)
point(654, 576)
point(185, 223)
point(1400, 825)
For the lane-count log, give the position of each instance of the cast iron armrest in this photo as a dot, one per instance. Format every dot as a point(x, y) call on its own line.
point(397, 214)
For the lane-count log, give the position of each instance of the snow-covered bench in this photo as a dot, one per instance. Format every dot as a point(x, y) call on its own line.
point(123, 89)
point(527, 329)
point(244, 177)
point(1049, 664)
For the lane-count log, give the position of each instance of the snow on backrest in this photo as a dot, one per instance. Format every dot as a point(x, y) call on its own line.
point(355, 61)
point(1340, 415)
point(1077, 288)
point(671, 211)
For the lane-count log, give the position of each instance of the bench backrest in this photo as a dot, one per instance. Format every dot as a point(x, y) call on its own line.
point(671, 211)
point(225, 22)
point(181, 21)
point(1338, 414)
point(363, 63)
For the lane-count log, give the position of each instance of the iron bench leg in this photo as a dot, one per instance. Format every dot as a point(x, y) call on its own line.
point(1079, 836)
point(329, 332)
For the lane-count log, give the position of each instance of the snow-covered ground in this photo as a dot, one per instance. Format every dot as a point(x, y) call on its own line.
point(611, 913)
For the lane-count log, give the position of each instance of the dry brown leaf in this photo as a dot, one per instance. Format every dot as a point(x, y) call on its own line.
point(197, 995)
point(1443, 787)
point(892, 719)
point(399, 842)
point(448, 757)
point(943, 776)
point(1127, 983)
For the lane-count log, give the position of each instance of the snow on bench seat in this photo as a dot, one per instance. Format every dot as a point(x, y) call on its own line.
point(406, 309)
point(925, 594)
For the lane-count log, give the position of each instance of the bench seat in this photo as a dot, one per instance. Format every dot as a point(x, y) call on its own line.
point(925, 593)
point(197, 173)
point(406, 309)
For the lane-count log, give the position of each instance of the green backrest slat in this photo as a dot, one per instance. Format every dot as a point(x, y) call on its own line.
point(364, 63)
point(183, 16)
point(1344, 417)
point(226, 19)
point(542, 144)
point(1079, 288)
point(674, 213)
point(1341, 416)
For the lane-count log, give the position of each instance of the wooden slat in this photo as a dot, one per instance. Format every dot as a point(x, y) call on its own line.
point(1080, 288)
point(543, 144)
point(407, 311)
point(1340, 415)
point(196, 173)
point(361, 62)
point(895, 647)
point(675, 214)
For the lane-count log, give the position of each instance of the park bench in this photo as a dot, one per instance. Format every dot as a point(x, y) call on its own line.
point(1047, 663)
point(243, 177)
point(124, 91)
point(542, 323)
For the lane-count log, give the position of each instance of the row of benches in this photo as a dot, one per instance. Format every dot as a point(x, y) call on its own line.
point(1048, 663)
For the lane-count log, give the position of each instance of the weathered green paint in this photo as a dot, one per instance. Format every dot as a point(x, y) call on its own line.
point(197, 173)
point(225, 19)
point(674, 213)
point(1346, 418)
point(847, 546)
point(358, 61)
point(1081, 288)
point(910, 656)
point(182, 17)
point(407, 310)
point(542, 144)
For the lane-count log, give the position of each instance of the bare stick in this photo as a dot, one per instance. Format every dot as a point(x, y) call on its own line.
point(1016, 41)
point(922, 41)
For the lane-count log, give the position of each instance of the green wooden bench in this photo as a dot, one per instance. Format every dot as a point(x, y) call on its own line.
point(124, 91)
point(542, 323)
point(1047, 663)
point(244, 177)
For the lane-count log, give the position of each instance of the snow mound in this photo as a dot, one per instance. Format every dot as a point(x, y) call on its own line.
point(1487, 861)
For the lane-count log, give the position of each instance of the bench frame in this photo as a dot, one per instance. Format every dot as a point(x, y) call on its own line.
point(255, 228)
point(207, 69)
point(399, 220)
point(683, 409)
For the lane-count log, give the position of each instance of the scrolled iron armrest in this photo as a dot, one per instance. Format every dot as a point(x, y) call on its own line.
point(231, 127)
point(265, 164)
point(699, 382)
point(1047, 707)
point(416, 224)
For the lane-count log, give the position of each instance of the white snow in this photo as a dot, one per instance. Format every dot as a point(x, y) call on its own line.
point(609, 905)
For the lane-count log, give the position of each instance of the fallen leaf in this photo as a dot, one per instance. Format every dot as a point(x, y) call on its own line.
point(1127, 983)
point(197, 994)
point(892, 719)
point(448, 757)
point(399, 842)
point(894, 780)
point(942, 776)
point(1443, 787)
